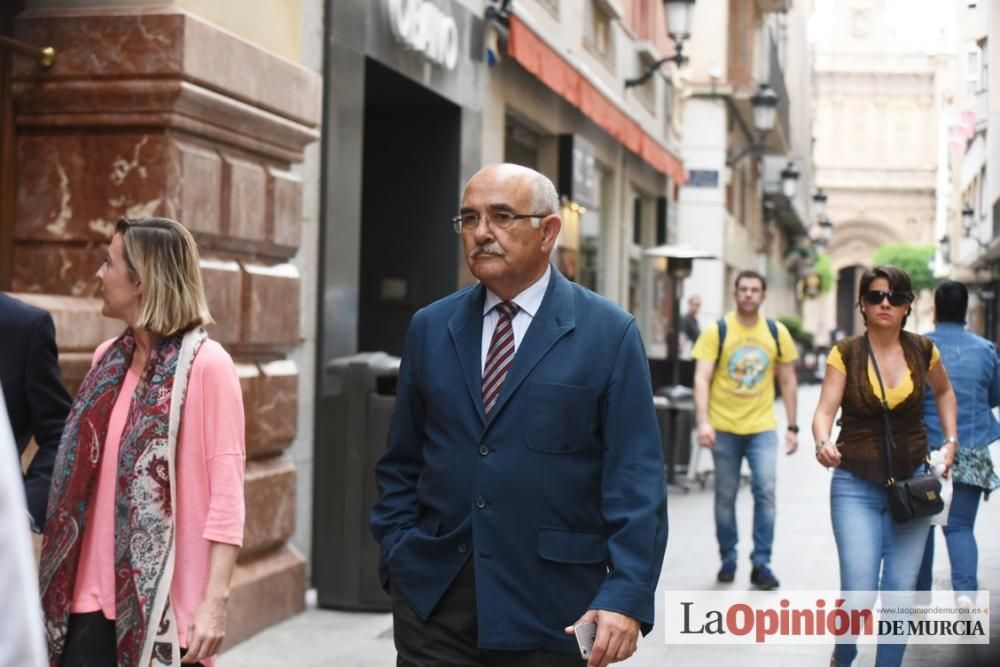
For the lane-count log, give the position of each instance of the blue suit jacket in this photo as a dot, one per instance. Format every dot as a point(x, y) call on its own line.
point(559, 495)
point(37, 402)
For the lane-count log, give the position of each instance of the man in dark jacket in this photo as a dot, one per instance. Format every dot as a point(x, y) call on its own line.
point(36, 399)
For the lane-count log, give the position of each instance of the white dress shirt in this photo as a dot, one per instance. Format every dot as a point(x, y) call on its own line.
point(22, 641)
point(528, 303)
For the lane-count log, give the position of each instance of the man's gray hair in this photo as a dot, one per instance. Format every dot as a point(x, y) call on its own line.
point(544, 199)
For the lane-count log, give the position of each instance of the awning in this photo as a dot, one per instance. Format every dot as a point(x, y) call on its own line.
point(551, 69)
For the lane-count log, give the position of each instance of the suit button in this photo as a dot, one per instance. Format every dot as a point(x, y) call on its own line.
point(480, 502)
point(462, 548)
point(483, 450)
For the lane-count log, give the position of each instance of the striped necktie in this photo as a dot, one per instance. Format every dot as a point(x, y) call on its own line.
point(500, 355)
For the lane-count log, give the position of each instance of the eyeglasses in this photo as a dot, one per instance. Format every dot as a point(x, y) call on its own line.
point(499, 219)
point(877, 296)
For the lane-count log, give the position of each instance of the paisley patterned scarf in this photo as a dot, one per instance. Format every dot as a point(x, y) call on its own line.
point(144, 505)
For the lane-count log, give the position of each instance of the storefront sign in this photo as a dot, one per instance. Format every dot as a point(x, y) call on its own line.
point(422, 26)
point(577, 170)
point(702, 178)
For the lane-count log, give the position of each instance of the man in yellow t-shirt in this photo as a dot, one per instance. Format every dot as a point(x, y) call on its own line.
point(734, 405)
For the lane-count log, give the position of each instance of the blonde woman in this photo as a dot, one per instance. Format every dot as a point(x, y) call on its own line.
point(145, 518)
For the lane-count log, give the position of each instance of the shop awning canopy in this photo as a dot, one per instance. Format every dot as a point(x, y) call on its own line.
point(551, 69)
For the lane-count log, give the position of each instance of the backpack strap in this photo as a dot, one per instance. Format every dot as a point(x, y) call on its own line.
point(721, 322)
point(772, 326)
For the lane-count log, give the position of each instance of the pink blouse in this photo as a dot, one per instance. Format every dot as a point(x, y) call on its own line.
point(210, 462)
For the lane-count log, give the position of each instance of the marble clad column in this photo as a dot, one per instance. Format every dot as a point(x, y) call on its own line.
point(154, 112)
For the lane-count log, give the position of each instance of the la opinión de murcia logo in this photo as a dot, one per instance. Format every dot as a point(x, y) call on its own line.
point(805, 617)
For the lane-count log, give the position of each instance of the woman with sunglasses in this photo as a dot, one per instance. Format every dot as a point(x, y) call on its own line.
point(875, 552)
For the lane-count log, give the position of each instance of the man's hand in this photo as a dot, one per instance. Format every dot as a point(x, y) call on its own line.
point(706, 435)
point(207, 630)
point(791, 442)
point(617, 636)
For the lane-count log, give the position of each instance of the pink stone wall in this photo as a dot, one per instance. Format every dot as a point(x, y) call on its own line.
point(154, 112)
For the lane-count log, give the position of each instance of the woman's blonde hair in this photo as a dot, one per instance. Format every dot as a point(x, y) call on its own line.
point(163, 256)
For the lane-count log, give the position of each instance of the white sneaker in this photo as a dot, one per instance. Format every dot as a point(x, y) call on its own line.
point(963, 602)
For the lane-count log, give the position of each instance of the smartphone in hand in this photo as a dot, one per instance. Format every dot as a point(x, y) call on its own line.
point(585, 635)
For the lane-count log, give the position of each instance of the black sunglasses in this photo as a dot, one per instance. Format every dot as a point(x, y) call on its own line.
point(876, 296)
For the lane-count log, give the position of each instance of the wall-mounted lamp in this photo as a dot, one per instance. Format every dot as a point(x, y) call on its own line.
point(944, 248)
point(678, 16)
point(819, 202)
point(789, 179)
point(765, 108)
point(968, 225)
point(824, 233)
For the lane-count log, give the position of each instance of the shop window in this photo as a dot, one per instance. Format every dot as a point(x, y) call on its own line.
point(521, 144)
point(972, 72)
point(599, 38)
point(592, 221)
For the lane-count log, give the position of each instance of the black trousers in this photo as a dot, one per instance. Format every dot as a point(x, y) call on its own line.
point(448, 637)
point(91, 641)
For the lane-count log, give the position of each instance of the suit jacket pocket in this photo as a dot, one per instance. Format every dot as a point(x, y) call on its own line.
point(559, 417)
point(575, 547)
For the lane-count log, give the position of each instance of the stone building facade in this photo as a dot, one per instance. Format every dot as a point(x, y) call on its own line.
point(151, 109)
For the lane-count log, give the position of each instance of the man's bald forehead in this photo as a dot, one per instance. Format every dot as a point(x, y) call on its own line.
point(504, 171)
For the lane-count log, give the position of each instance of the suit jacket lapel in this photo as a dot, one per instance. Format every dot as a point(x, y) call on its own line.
point(466, 329)
point(554, 319)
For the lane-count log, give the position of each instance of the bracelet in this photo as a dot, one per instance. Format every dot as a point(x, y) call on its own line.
point(950, 440)
point(822, 443)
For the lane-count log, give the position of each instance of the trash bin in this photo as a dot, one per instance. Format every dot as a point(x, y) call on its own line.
point(352, 431)
point(675, 411)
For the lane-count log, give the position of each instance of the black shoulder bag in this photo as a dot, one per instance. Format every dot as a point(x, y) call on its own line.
point(909, 498)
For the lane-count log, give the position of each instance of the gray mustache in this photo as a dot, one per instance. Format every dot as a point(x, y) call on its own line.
point(487, 249)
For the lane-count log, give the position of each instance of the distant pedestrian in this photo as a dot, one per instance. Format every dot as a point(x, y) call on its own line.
point(690, 328)
point(974, 371)
point(22, 641)
point(146, 515)
point(737, 358)
point(35, 397)
point(876, 552)
point(522, 490)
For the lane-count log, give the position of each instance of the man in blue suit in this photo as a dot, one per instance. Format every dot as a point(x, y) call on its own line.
point(522, 490)
point(36, 399)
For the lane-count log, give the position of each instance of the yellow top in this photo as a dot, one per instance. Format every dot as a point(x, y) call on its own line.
point(741, 398)
point(893, 395)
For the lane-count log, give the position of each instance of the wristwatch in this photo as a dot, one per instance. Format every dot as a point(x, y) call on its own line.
point(794, 428)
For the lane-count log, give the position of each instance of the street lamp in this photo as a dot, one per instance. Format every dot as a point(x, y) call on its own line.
point(680, 259)
point(678, 17)
point(765, 109)
point(968, 219)
point(825, 232)
point(819, 202)
point(789, 179)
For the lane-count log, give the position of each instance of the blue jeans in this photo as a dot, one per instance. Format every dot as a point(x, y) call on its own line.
point(962, 550)
point(761, 452)
point(875, 552)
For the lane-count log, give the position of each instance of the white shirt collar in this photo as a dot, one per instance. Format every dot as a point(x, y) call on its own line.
point(529, 300)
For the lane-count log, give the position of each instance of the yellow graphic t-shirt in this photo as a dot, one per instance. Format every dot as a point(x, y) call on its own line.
point(741, 398)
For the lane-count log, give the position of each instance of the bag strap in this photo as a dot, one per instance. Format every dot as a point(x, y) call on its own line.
point(890, 444)
point(722, 337)
point(772, 326)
